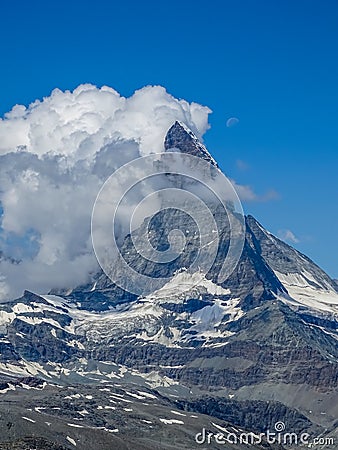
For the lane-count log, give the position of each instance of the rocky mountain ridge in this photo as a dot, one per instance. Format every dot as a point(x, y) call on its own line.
point(258, 348)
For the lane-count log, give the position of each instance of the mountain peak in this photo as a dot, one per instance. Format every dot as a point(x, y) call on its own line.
point(181, 137)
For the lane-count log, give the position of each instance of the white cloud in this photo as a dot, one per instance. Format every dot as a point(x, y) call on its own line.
point(287, 235)
point(54, 157)
point(242, 165)
point(247, 194)
point(76, 124)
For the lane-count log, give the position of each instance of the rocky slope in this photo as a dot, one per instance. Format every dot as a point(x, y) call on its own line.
point(258, 348)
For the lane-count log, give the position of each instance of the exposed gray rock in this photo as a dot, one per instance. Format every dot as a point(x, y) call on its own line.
point(199, 348)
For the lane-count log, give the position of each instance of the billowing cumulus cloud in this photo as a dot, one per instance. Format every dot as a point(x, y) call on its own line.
point(54, 157)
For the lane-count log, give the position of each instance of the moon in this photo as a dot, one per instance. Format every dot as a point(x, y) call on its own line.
point(231, 122)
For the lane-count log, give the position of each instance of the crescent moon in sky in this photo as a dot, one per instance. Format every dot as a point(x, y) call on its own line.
point(232, 122)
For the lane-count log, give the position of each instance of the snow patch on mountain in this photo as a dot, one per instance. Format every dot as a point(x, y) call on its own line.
point(183, 284)
point(304, 290)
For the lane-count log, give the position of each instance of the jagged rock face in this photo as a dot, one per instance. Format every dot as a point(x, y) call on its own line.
point(255, 352)
point(113, 417)
point(253, 280)
point(256, 278)
point(180, 137)
point(255, 349)
point(284, 259)
point(255, 415)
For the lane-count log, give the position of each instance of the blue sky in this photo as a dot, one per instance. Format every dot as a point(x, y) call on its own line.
point(273, 65)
